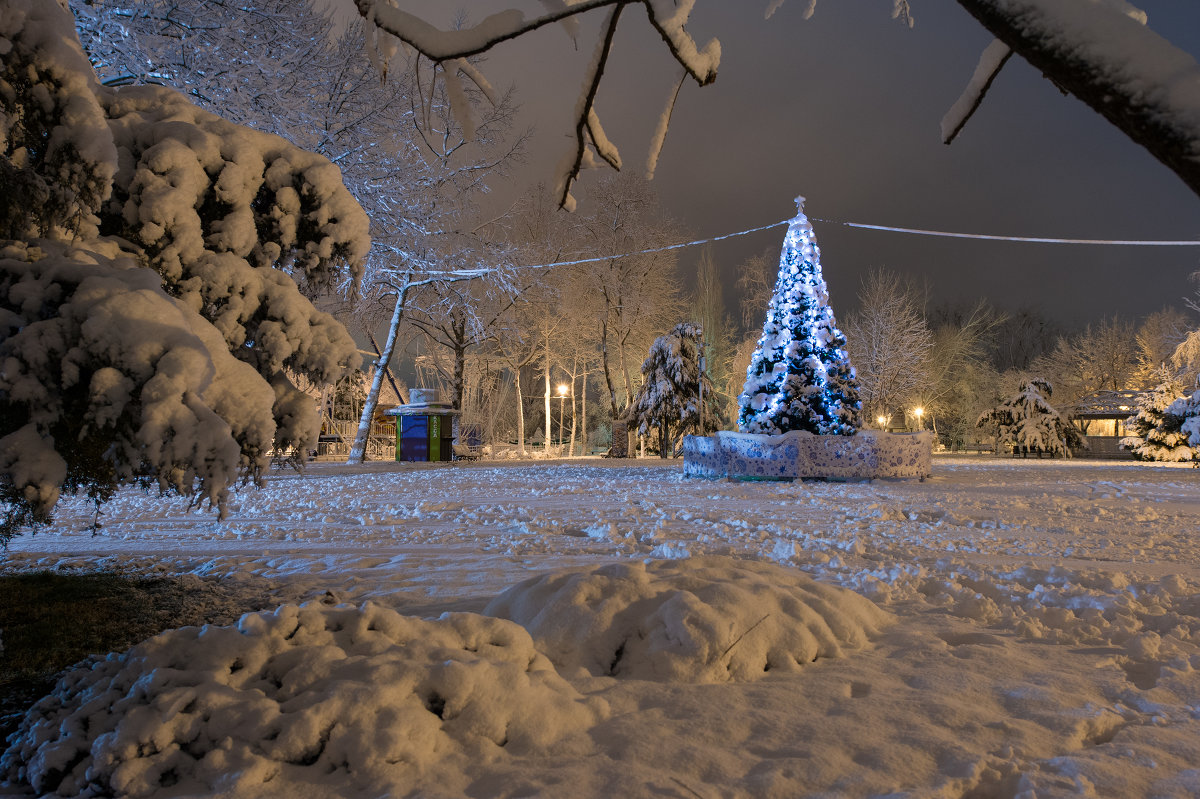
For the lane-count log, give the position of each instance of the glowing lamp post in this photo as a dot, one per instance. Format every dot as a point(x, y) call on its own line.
point(919, 412)
point(562, 396)
point(882, 420)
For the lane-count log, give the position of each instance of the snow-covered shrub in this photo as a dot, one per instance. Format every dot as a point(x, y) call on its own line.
point(57, 158)
point(1156, 435)
point(668, 401)
point(359, 700)
point(800, 377)
point(1029, 424)
point(134, 383)
point(149, 258)
point(707, 619)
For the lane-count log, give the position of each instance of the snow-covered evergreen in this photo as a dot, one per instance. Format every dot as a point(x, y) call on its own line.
point(1187, 411)
point(1156, 435)
point(668, 403)
point(149, 258)
point(1029, 424)
point(800, 377)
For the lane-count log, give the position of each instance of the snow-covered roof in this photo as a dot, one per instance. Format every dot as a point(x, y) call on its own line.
point(1106, 405)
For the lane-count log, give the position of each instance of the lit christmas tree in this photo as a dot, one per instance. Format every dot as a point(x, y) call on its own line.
point(800, 377)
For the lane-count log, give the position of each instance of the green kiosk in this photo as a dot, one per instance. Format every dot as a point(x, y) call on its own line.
point(424, 427)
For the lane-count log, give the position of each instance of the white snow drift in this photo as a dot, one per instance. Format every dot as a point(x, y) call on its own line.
point(363, 697)
point(698, 620)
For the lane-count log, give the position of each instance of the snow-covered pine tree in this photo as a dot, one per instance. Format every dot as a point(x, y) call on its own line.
point(1027, 422)
point(1187, 411)
point(150, 316)
point(1155, 435)
point(668, 402)
point(800, 377)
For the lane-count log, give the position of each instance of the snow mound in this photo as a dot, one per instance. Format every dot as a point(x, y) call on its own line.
point(707, 620)
point(312, 694)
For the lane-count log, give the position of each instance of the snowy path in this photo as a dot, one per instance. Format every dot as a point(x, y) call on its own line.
point(1047, 635)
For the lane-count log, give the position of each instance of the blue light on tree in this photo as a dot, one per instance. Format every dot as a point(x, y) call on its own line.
point(800, 377)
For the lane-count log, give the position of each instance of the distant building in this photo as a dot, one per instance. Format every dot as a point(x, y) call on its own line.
point(1100, 417)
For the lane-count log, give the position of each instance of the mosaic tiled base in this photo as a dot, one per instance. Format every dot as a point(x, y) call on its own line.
point(864, 456)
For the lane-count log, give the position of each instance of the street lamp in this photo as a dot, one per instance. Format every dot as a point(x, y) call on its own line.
point(919, 412)
point(562, 395)
point(882, 420)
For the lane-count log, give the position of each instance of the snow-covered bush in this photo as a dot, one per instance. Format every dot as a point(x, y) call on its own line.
point(706, 619)
point(1029, 424)
point(149, 259)
point(359, 700)
point(668, 401)
point(800, 377)
point(1155, 435)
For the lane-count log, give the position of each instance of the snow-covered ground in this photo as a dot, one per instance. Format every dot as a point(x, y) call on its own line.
point(1033, 630)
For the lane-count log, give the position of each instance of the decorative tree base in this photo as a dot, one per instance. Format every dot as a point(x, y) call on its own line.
point(864, 456)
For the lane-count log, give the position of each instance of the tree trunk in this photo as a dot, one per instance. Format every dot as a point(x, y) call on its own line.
point(359, 449)
point(583, 439)
point(574, 370)
point(460, 363)
point(549, 418)
point(520, 412)
point(1165, 128)
point(387, 372)
point(625, 370)
point(608, 380)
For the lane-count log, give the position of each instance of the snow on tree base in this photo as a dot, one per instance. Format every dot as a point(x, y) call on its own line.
point(344, 696)
point(702, 620)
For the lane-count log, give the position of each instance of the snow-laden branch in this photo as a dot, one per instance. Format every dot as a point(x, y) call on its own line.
point(994, 57)
point(451, 49)
point(1101, 53)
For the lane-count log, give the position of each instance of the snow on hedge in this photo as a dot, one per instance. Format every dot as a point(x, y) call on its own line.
point(702, 620)
point(359, 699)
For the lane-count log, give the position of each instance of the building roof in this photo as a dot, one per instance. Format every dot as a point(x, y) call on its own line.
point(1107, 405)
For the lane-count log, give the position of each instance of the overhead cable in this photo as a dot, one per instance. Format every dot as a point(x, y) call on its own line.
point(885, 228)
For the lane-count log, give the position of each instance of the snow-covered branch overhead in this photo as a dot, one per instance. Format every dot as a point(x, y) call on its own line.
point(1101, 53)
point(443, 47)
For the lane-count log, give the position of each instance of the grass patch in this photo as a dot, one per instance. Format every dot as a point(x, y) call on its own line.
point(51, 620)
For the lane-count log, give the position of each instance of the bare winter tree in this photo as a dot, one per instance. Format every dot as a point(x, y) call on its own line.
point(1020, 337)
point(1158, 336)
point(960, 379)
point(634, 296)
point(460, 316)
point(1101, 358)
point(756, 281)
point(889, 343)
point(708, 309)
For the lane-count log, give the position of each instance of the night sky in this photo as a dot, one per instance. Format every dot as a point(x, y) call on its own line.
point(844, 108)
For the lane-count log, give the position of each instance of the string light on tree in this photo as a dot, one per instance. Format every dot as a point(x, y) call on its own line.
point(800, 377)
